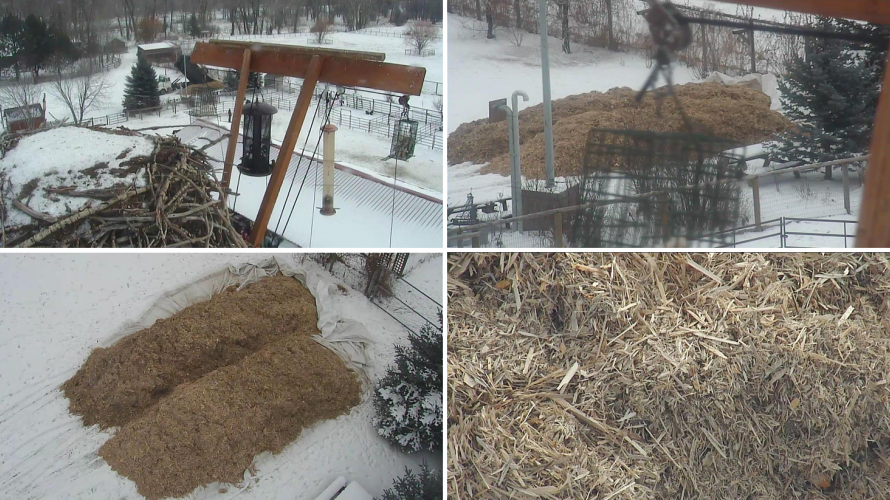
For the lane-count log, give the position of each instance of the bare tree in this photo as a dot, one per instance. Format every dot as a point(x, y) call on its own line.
point(420, 35)
point(82, 93)
point(321, 29)
point(21, 95)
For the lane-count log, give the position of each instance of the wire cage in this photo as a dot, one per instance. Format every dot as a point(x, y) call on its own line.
point(404, 138)
point(257, 139)
point(658, 189)
point(203, 104)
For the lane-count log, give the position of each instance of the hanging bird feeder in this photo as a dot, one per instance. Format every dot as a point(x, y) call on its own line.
point(404, 134)
point(257, 144)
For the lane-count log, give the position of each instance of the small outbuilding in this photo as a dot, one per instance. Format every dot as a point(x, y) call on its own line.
point(116, 46)
point(21, 118)
point(161, 52)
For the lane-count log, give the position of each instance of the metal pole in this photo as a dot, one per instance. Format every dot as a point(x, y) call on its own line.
point(517, 157)
point(515, 179)
point(548, 111)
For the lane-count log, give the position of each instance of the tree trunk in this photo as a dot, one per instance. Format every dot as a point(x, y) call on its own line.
point(518, 13)
point(704, 53)
point(478, 10)
point(566, 35)
point(611, 25)
point(490, 20)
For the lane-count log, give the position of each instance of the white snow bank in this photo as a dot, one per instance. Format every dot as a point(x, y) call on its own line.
point(58, 158)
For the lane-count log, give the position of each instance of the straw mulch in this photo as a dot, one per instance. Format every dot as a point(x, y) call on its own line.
point(734, 113)
point(695, 376)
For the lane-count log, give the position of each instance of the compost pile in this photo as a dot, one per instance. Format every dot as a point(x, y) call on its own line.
point(638, 376)
point(733, 113)
point(178, 205)
point(198, 395)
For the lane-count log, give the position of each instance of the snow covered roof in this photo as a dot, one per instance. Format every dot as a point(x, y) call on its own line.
point(371, 212)
point(158, 46)
point(24, 112)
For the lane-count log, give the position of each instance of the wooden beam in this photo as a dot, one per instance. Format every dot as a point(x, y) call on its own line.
point(313, 71)
point(874, 216)
point(300, 49)
point(337, 70)
point(236, 124)
point(873, 11)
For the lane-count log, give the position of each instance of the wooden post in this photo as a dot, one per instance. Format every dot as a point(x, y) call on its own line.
point(845, 173)
point(874, 222)
point(258, 232)
point(236, 124)
point(753, 51)
point(557, 231)
point(755, 191)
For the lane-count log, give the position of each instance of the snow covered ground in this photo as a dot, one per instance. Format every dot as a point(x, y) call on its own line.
point(483, 70)
point(57, 308)
point(36, 159)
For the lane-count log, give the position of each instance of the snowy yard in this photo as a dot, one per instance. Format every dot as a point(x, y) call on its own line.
point(57, 308)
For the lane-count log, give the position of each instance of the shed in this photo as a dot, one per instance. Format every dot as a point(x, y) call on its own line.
point(116, 46)
point(161, 52)
point(22, 118)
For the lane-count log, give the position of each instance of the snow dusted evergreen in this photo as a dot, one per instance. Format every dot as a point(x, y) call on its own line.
point(142, 87)
point(425, 486)
point(408, 400)
point(831, 94)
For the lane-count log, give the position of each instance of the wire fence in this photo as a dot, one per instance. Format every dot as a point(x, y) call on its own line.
point(83, 67)
point(803, 195)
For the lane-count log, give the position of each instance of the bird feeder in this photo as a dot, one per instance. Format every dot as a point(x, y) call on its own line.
point(404, 138)
point(257, 144)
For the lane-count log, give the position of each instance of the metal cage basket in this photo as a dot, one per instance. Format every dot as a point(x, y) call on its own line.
point(404, 138)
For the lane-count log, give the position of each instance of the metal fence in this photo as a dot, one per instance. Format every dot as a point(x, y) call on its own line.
point(765, 202)
point(393, 293)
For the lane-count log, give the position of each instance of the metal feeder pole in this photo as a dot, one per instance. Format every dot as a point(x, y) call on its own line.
point(548, 110)
point(515, 181)
point(516, 170)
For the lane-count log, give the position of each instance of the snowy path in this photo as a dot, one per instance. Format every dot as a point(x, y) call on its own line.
point(56, 308)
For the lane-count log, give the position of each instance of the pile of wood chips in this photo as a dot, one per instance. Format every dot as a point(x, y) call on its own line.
point(198, 395)
point(655, 376)
point(179, 206)
point(732, 113)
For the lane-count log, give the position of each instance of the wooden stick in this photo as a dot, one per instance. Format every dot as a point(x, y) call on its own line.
point(873, 11)
point(258, 231)
point(37, 238)
point(236, 121)
point(874, 216)
point(33, 213)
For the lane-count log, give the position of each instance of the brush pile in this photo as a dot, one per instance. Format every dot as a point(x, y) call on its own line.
point(696, 376)
point(174, 202)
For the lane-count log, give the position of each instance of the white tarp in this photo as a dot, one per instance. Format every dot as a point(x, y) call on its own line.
point(768, 84)
point(346, 337)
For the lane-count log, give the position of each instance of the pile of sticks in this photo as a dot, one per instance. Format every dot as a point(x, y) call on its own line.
point(179, 206)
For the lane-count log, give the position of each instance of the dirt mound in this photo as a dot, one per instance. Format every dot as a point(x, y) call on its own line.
point(117, 384)
point(655, 376)
point(729, 112)
point(211, 429)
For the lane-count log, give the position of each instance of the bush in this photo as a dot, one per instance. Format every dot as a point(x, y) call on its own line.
point(425, 486)
point(408, 400)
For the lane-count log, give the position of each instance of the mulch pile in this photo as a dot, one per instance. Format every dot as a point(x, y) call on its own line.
point(198, 395)
point(654, 376)
point(734, 113)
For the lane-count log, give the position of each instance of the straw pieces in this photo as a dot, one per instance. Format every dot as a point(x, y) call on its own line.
point(706, 376)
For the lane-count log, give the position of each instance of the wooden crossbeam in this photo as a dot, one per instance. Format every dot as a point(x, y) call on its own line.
point(873, 11)
point(345, 68)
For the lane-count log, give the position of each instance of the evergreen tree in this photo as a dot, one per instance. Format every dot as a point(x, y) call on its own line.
point(424, 486)
point(408, 400)
point(194, 28)
point(831, 95)
point(142, 91)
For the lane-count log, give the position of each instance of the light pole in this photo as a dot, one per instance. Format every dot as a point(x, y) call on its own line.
point(548, 110)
